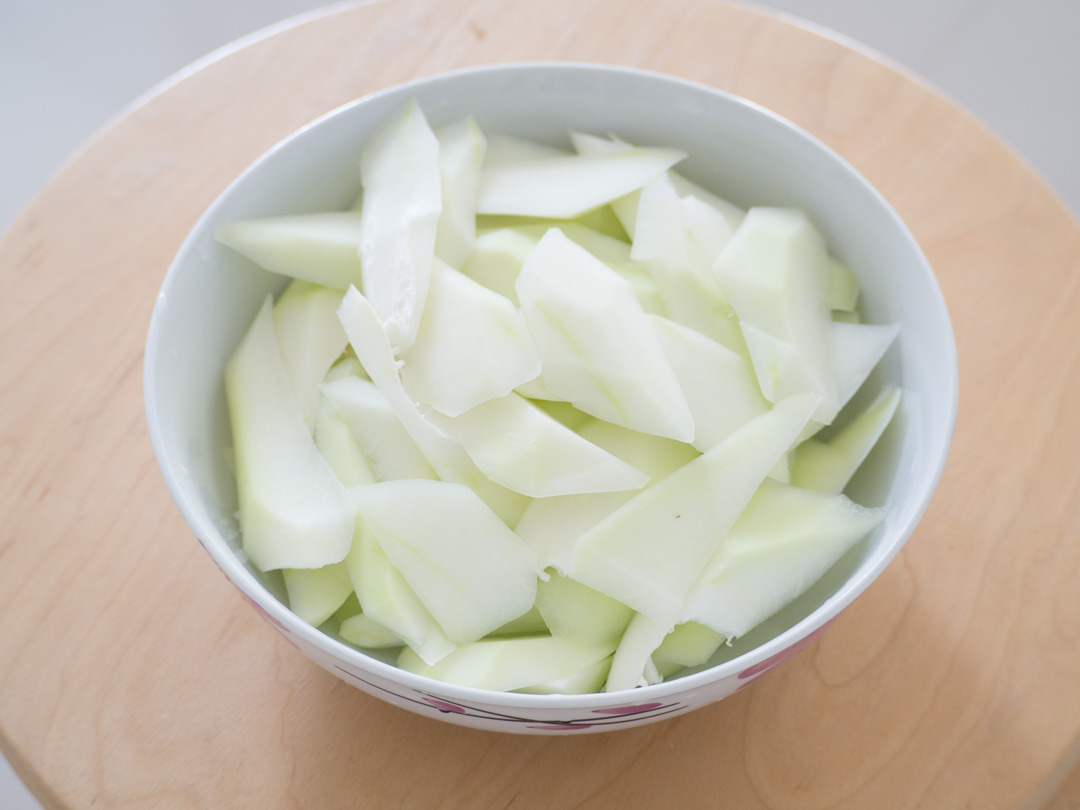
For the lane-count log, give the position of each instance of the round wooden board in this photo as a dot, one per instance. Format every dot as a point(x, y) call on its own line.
point(132, 675)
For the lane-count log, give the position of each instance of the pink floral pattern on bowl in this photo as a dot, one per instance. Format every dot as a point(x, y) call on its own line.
point(594, 719)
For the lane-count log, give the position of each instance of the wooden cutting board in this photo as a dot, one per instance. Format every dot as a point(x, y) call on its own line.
point(132, 675)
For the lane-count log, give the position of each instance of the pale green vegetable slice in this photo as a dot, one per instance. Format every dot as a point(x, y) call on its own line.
point(320, 248)
point(386, 597)
point(503, 665)
point(563, 412)
point(827, 466)
point(536, 390)
point(294, 513)
point(624, 207)
point(774, 271)
point(552, 526)
point(689, 645)
point(690, 509)
point(856, 349)
point(574, 610)
point(709, 229)
point(389, 449)
point(781, 471)
point(315, 593)
point(496, 260)
point(400, 173)
point(517, 445)
point(728, 210)
point(567, 187)
point(461, 154)
point(659, 232)
point(503, 149)
point(468, 569)
point(363, 631)
point(446, 455)
point(720, 387)
point(843, 288)
point(336, 443)
point(464, 322)
point(347, 366)
point(499, 255)
point(780, 546)
point(530, 623)
point(685, 286)
point(597, 347)
point(310, 338)
point(841, 316)
point(586, 681)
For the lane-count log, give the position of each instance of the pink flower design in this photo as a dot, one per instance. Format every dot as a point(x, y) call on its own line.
point(782, 656)
point(641, 707)
point(445, 707)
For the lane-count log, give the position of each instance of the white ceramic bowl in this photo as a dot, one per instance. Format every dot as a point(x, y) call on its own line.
point(738, 150)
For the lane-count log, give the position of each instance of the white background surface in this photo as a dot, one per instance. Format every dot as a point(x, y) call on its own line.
point(68, 66)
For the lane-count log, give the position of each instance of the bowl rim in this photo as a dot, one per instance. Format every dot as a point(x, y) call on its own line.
point(209, 536)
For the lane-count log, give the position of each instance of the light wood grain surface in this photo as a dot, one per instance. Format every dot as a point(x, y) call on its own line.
point(132, 675)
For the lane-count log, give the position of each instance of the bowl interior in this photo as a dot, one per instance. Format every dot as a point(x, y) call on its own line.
point(736, 149)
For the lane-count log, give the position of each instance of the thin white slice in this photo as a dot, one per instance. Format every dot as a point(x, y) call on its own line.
point(363, 631)
point(446, 455)
point(774, 271)
point(574, 610)
point(389, 449)
point(567, 187)
point(828, 466)
point(400, 172)
point(597, 347)
point(470, 571)
point(642, 636)
point(720, 387)
point(503, 665)
point(320, 248)
point(309, 338)
point(294, 513)
point(856, 349)
point(780, 546)
point(649, 552)
point(552, 526)
point(517, 445)
point(315, 593)
point(386, 597)
point(461, 154)
point(472, 346)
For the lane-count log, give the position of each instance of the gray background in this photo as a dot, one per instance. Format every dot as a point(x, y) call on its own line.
point(69, 66)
